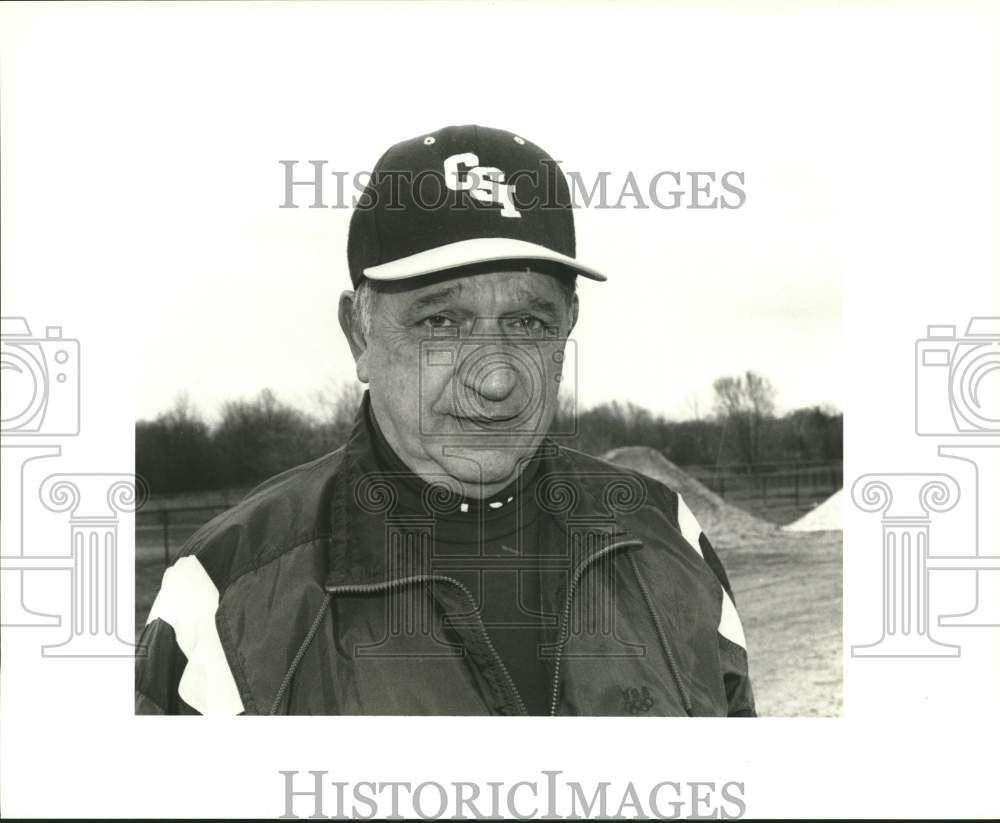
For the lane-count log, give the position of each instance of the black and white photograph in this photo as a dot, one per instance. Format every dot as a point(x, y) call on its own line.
point(421, 372)
point(455, 554)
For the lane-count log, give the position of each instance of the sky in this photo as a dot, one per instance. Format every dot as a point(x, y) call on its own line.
point(171, 142)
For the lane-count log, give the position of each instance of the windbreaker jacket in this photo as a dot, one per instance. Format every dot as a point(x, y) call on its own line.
point(309, 598)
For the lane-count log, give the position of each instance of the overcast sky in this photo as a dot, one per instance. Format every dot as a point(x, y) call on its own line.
point(175, 136)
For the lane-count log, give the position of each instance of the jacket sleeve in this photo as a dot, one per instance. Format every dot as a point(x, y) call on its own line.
point(181, 667)
point(732, 641)
point(159, 665)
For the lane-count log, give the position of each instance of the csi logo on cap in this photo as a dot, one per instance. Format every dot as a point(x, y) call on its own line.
point(462, 172)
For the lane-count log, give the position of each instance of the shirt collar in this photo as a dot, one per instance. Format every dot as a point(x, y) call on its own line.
point(413, 489)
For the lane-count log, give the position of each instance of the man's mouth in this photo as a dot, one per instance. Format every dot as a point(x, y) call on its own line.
point(487, 420)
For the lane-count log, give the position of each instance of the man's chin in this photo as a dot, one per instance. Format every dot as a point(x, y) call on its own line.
point(487, 465)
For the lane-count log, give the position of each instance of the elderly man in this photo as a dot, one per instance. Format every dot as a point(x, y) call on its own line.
point(454, 556)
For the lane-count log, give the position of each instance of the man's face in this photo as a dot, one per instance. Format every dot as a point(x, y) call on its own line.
point(464, 372)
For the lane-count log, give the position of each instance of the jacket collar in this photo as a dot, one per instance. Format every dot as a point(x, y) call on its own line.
point(584, 503)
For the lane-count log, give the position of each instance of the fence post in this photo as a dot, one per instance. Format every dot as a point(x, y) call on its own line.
point(165, 521)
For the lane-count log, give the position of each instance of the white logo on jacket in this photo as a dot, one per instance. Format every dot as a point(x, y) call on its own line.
point(462, 172)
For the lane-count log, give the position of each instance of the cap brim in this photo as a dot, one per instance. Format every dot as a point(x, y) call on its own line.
point(472, 252)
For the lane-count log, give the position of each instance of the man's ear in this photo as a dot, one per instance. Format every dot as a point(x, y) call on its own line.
point(574, 312)
point(354, 333)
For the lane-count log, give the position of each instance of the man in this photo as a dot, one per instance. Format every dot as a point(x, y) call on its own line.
point(453, 557)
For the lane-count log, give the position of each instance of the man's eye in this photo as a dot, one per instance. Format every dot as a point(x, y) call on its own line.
point(526, 323)
point(438, 321)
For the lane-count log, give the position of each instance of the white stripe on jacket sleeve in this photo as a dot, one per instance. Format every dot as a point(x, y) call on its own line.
point(188, 601)
point(730, 625)
point(690, 528)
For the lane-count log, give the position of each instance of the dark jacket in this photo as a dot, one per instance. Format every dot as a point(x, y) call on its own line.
point(308, 597)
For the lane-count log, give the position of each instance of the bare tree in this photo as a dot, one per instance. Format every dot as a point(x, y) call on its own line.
point(745, 403)
point(337, 403)
point(692, 407)
point(760, 394)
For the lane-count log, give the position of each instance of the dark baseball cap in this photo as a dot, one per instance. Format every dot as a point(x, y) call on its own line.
point(458, 198)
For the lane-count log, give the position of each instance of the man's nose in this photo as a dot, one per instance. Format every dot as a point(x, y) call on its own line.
point(495, 381)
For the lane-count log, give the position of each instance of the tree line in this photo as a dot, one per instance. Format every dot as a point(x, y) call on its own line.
point(257, 438)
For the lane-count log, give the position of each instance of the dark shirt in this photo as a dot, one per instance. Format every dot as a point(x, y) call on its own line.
point(495, 547)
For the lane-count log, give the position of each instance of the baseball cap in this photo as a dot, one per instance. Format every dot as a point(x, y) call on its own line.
point(460, 197)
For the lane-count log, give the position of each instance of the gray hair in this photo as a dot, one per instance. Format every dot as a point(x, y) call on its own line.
point(363, 308)
point(365, 295)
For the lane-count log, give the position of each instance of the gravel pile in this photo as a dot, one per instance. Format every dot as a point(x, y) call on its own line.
point(725, 524)
point(828, 516)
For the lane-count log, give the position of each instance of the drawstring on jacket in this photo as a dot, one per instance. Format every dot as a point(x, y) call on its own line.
point(287, 680)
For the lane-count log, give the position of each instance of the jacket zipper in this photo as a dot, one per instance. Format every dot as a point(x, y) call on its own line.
point(564, 627)
point(388, 585)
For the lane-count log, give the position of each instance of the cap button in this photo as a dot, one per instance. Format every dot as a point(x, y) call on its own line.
point(519, 140)
point(428, 141)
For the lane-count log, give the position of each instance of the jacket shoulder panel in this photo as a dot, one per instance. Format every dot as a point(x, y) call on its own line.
point(658, 494)
point(286, 511)
point(663, 509)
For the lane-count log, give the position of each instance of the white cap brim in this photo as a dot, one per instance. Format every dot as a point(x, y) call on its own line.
point(469, 252)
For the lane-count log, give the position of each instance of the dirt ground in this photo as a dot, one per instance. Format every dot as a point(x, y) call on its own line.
point(790, 599)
